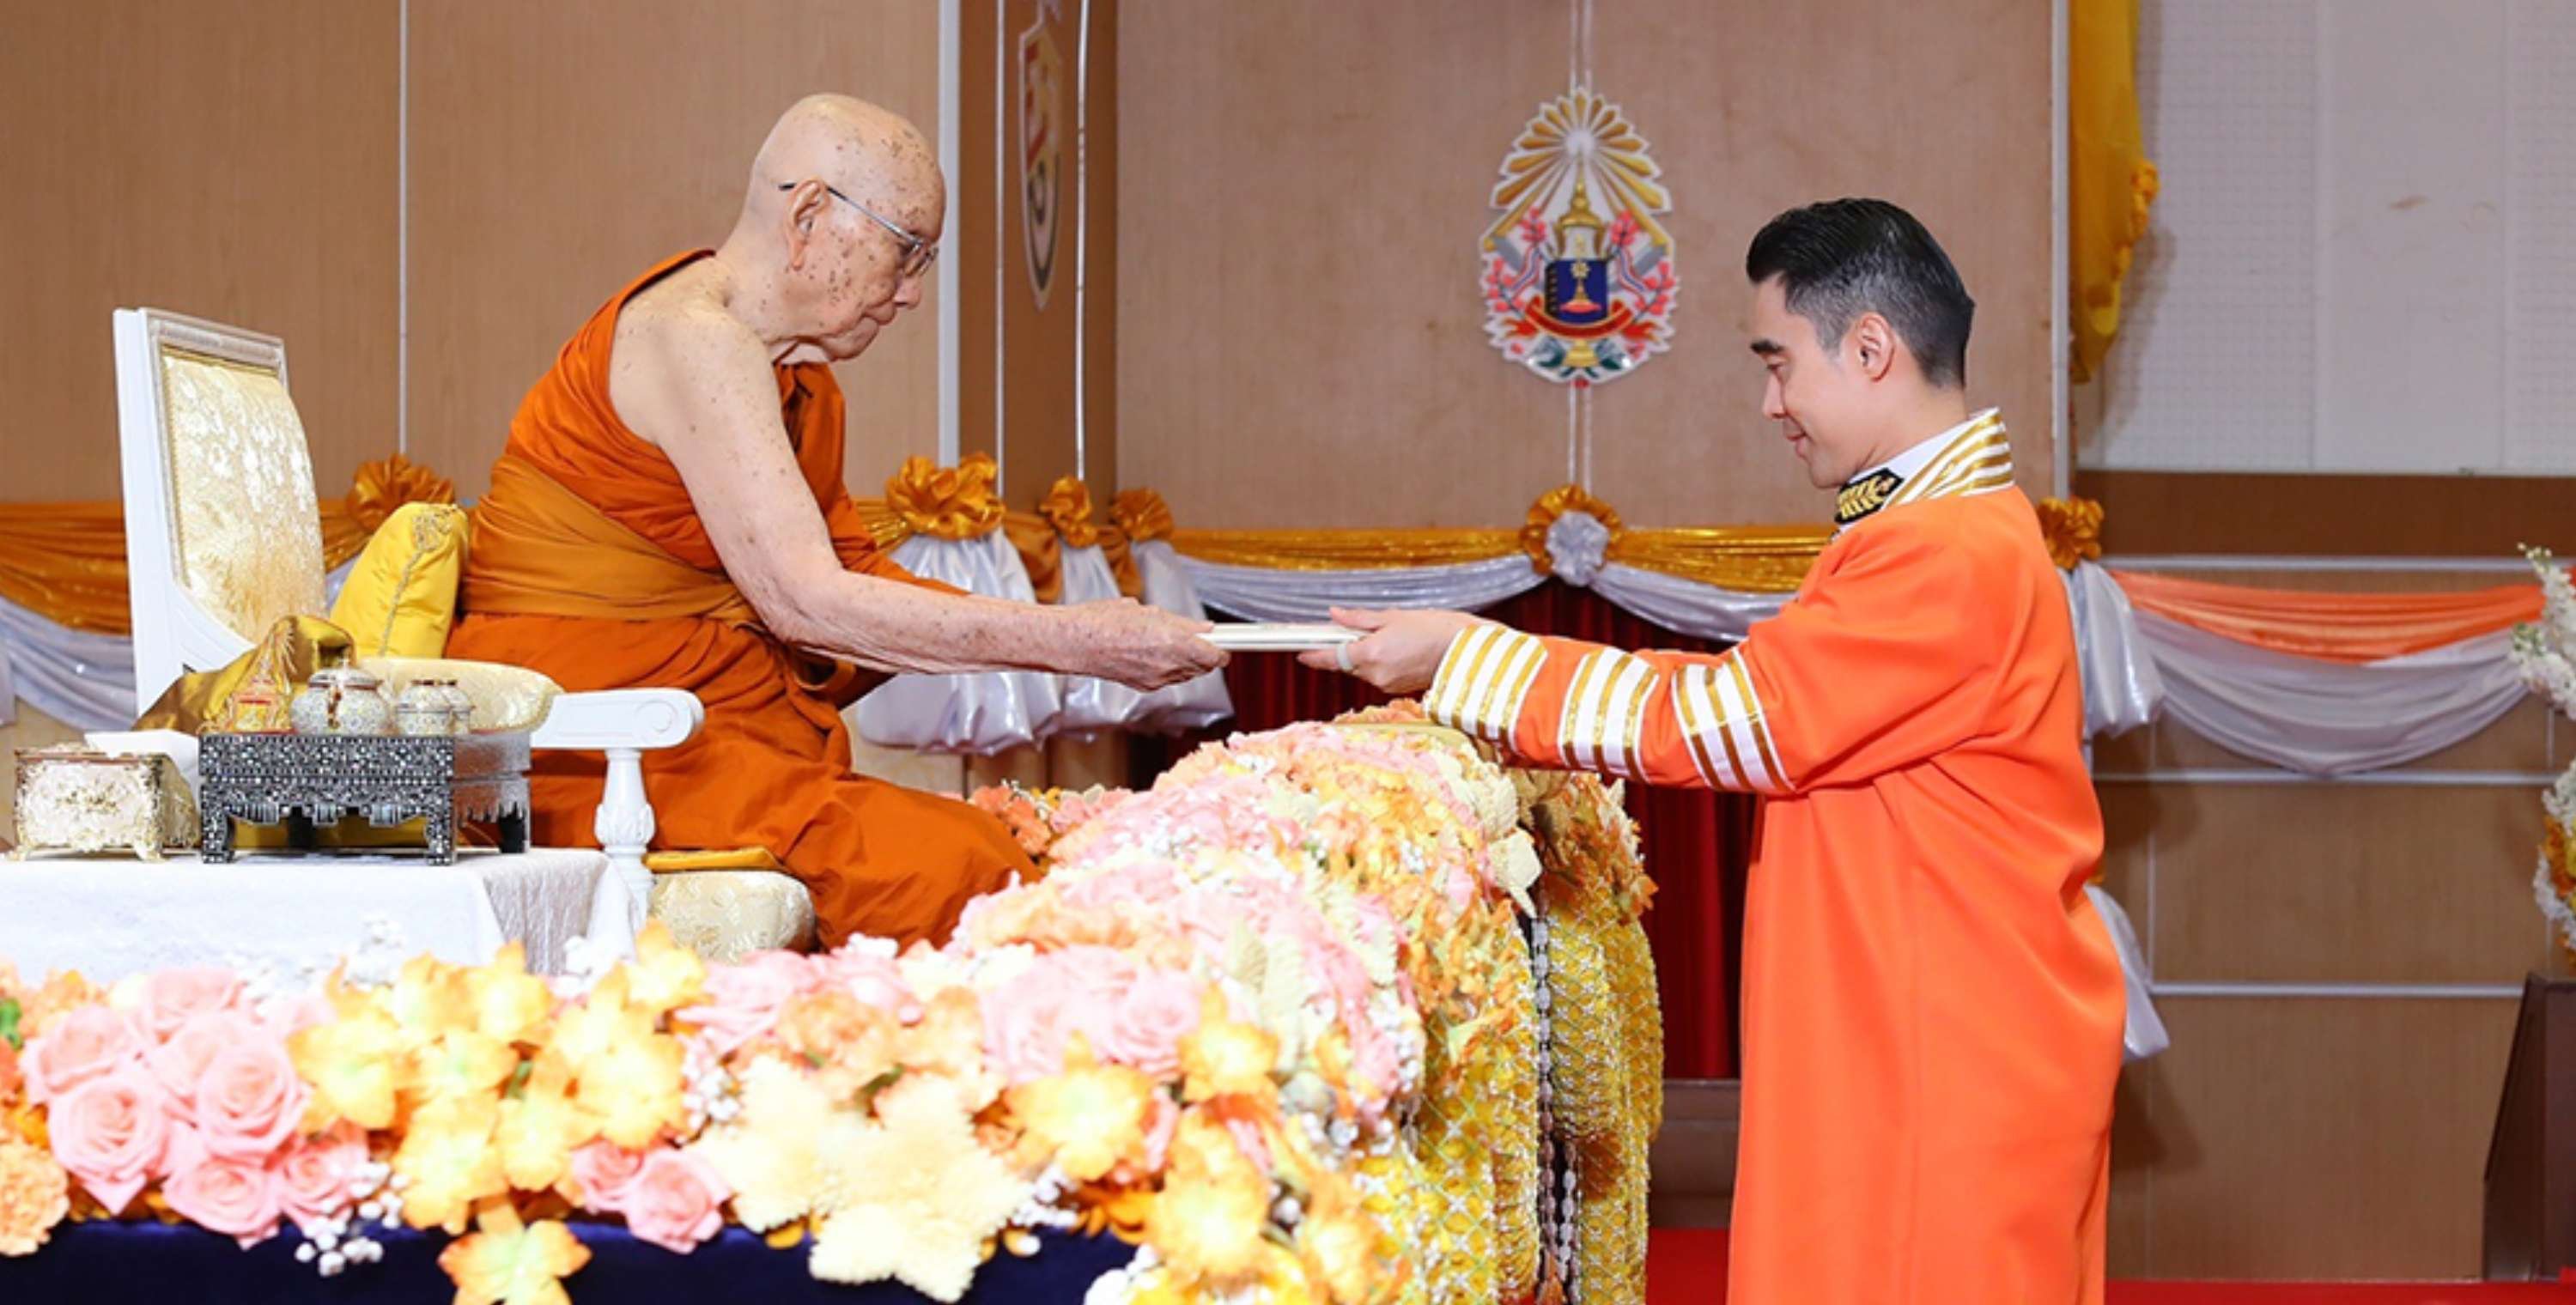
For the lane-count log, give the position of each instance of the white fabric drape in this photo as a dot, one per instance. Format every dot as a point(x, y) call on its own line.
point(2329, 718)
point(1258, 593)
point(83, 680)
point(1195, 704)
point(1685, 606)
point(1091, 705)
point(2121, 687)
point(984, 712)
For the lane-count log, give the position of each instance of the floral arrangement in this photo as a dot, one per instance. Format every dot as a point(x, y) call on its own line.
point(2545, 653)
point(1278, 1022)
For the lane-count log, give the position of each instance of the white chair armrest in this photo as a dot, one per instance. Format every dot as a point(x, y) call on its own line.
point(620, 718)
point(623, 723)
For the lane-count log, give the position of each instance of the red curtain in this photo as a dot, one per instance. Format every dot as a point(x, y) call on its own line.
point(1697, 844)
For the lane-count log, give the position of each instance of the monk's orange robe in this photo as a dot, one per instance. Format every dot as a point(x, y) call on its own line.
point(1932, 1008)
point(589, 563)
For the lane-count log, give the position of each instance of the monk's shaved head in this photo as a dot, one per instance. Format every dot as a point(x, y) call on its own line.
point(869, 153)
point(838, 227)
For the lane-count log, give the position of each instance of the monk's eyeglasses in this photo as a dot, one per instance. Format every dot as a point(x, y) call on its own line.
point(918, 254)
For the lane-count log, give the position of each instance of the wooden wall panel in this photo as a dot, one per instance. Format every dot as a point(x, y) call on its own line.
point(2328, 515)
point(233, 159)
point(2283, 1137)
point(2313, 1139)
point(2324, 884)
point(1302, 189)
point(560, 149)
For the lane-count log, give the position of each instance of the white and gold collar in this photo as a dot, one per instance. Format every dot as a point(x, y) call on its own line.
point(1973, 457)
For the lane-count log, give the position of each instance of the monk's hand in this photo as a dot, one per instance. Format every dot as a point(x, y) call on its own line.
point(1401, 652)
point(1146, 647)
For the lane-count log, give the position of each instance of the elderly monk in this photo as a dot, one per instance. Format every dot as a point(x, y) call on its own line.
point(670, 513)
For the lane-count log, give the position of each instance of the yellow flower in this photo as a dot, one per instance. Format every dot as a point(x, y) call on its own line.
point(599, 1021)
point(1223, 1058)
point(1211, 1219)
point(448, 1155)
point(35, 1194)
point(355, 1065)
point(1089, 1117)
point(509, 1004)
point(539, 1129)
point(1341, 1247)
point(665, 975)
point(506, 1263)
point(429, 996)
point(914, 1199)
point(635, 1088)
point(768, 1154)
point(462, 1062)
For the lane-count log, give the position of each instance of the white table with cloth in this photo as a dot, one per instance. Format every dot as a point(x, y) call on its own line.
point(294, 916)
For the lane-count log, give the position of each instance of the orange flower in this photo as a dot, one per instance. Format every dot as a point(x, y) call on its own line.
point(505, 1262)
point(1088, 1118)
point(664, 976)
point(355, 1066)
point(1210, 1221)
point(849, 1043)
point(35, 1194)
point(509, 1004)
point(448, 1154)
point(1223, 1058)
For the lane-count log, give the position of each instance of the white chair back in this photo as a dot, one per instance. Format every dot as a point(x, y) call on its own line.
point(223, 531)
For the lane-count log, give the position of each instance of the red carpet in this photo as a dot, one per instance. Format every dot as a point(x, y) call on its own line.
point(1687, 1266)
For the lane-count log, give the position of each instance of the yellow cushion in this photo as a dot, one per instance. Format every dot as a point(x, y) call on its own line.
point(401, 595)
point(505, 697)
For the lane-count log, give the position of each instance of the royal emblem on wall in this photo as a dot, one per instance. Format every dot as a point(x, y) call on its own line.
point(1579, 278)
point(1042, 127)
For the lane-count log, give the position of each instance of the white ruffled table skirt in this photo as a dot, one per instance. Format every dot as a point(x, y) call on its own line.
point(295, 917)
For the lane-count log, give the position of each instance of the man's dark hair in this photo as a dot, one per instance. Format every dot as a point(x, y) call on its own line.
point(1845, 257)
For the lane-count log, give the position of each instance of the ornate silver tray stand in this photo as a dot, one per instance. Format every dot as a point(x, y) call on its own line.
point(305, 780)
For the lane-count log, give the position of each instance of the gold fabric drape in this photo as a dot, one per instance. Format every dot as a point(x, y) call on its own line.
point(66, 561)
point(2110, 182)
point(1748, 559)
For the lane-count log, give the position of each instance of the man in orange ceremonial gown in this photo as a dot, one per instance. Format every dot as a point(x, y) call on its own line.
point(1932, 1008)
point(670, 512)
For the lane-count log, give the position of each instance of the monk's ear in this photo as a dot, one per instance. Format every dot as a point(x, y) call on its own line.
point(804, 216)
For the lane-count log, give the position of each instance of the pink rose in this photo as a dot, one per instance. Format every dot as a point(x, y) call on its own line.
point(313, 1175)
point(601, 1174)
point(743, 1000)
point(178, 1063)
point(171, 996)
point(112, 1134)
point(673, 1202)
point(1146, 1029)
point(219, 1193)
point(86, 1045)
point(1024, 1027)
point(289, 1016)
point(875, 980)
point(249, 1100)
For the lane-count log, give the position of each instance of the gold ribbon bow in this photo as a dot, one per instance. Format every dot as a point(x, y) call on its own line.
point(1140, 515)
point(1067, 507)
point(946, 502)
point(386, 484)
point(1556, 503)
point(2073, 529)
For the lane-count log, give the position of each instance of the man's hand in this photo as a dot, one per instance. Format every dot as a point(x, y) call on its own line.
point(1402, 651)
point(1144, 647)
